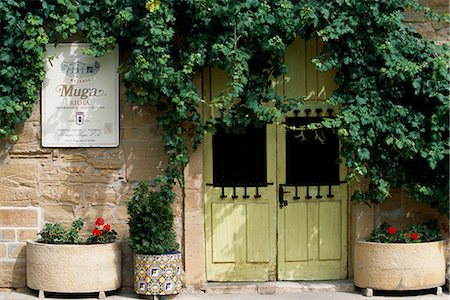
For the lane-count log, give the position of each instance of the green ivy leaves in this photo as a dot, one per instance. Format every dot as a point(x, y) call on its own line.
point(393, 85)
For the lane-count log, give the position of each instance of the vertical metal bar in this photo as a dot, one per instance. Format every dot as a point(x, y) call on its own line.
point(330, 195)
point(307, 112)
point(330, 112)
point(307, 193)
point(318, 192)
point(296, 197)
point(223, 193)
point(257, 195)
point(234, 196)
point(245, 193)
point(318, 111)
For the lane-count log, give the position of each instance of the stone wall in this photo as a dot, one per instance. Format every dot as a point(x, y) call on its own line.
point(39, 185)
point(438, 32)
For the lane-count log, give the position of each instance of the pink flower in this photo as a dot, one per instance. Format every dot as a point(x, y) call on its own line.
point(99, 222)
point(107, 227)
point(392, 230)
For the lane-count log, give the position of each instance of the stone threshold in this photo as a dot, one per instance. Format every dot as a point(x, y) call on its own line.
point(278, 287)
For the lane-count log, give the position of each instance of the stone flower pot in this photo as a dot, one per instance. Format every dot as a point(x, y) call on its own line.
point(74, 268)
point(158, 274)
point(398, 266)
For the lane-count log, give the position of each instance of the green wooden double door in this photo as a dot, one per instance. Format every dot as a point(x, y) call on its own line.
point(275, 201)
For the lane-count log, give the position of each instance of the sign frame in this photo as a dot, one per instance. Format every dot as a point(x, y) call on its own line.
point(80, 98)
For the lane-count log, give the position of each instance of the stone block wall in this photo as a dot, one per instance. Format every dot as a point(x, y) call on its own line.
point(438, 32)
point(40, 185)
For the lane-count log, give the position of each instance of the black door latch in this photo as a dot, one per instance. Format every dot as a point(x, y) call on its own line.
point(281, 200)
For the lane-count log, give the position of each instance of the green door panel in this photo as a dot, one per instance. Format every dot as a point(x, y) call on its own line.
point(253, 239)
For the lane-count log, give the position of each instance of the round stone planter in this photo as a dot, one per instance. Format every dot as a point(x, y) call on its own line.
point(74, 268)
point(399, 267)
point(158, 274)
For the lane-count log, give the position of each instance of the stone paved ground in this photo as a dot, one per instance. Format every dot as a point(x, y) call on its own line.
point(125, 295)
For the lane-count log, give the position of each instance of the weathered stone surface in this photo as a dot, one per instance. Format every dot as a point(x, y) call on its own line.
point(89, 178)
point(91, 213)
point(60, 193)
point(144, 159)
point(100, 152)
point(122, 213)
point(195, 254)
point(7, 235)
point(74, 157)
point(99, 194)
point(10, 217)
point(17, 250)
point(135, 115)
point(36, 113)
point(108, 163)
point(139, 133)
point(70, 193)
point(51, 172)
point(13, 274)
point(124, 193)
point(122, 231)
point(50, 193)
point(59, 213)
point(18, 184)
point(2, 251)
point(27, 234)
point(362, 222)
point(76, 168)
point(194, 199)
point(112, 175)
point(29, 143)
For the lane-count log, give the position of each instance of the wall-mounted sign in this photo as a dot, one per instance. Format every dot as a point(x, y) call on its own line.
point(80, 98)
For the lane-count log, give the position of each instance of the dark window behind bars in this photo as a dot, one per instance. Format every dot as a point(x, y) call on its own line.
point(311, 157)
point(240, 159)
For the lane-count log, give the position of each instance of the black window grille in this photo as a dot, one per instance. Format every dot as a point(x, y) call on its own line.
point(240, 159)
point(311, 156)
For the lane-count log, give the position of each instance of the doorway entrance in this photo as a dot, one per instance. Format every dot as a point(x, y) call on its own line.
point(275, 200)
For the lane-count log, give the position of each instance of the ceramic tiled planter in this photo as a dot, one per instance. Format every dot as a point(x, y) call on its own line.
point(158, 274)
point(398, 266)
point(73, 268)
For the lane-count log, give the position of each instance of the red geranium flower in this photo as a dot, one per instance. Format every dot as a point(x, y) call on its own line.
point(414, 236)
point(99, 222)
point(107, 227)
point(408, 235)
point(96, 232)
point(392, 230)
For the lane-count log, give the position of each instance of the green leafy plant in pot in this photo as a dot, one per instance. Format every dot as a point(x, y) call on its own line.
point(157, 264)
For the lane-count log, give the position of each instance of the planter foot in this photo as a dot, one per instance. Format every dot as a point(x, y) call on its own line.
point(101, 295)
point(367, 292)
point(439, 291)
point(41, 295)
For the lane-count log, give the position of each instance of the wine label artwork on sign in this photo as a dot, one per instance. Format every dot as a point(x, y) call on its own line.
point(80, 98)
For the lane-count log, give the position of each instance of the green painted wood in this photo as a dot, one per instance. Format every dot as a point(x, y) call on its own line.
point(253, 239)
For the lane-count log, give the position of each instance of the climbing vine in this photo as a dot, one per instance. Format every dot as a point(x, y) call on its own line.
point(393, 85)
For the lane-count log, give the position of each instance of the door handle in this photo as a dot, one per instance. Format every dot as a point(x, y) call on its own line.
point(282, 202)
